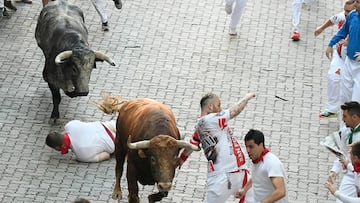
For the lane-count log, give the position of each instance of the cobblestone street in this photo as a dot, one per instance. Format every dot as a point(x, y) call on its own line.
point(174, 52)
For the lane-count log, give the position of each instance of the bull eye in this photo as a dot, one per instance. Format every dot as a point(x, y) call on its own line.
point(153, 161)
point(75, 70)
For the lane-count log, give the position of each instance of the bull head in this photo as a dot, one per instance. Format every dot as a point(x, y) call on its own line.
point(61, 57)
point(163, 151)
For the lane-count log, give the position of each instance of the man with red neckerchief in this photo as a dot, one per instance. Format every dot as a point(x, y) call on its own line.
point(353, 166)
point(267, 174)
point(349, 135)
point(89, 141)
point(227, 171)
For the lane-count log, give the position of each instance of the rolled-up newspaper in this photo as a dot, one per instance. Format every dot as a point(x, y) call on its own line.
point(332, 143)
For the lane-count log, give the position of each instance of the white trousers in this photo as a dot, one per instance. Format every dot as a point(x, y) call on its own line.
point(347, 185)
point(296, 12)
point(1, 6)
point(100, 9)
point(333, 84)
point(237, 12)
point(350, 81)
point(218, 191)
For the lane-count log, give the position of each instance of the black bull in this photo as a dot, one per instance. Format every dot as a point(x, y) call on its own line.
point(63, 37)
point(148, 135)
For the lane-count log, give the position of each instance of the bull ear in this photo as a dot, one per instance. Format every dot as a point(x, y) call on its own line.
point(141, 154)
point(61, 57)
point(102, 57)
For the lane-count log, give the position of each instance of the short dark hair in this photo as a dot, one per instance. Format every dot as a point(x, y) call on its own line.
point(355, 149)
point(349, 2)
point(54, 139)
point(255, 135)
point(81, 200)
point(352, 107)
point(206, 98)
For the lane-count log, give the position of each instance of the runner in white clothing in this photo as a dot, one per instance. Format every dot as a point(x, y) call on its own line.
point(90, 141)
point(268, 173)
point(337, 62)
point(226, 162)
point(351, 117)
point(355, 159)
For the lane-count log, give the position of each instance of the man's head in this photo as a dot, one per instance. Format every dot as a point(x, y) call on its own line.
point(357, 5)
point(348, 6)
point(255, 143)
point(355, 153)
point(55, 140)
point(351, 113)
point(210, 103)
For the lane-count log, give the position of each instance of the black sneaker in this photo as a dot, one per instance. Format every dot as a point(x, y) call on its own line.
point(118, 4)
point(105, 26)
point(9, 4)
point(5, 13)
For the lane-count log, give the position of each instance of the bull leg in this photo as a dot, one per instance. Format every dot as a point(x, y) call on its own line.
point(56, 97)
point(157, 197)
point(131, 176)
point(120, 154)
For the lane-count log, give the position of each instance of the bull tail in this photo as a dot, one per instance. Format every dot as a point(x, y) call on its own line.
point(110, 104)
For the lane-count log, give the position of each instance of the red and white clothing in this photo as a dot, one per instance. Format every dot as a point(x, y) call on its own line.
point(226, 162)
point(337, 63)
point(88, 139)
point(341, 197)
point(262, 171)
point(347, 185)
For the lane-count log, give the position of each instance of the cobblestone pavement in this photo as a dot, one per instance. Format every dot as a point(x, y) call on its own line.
point(172, 51)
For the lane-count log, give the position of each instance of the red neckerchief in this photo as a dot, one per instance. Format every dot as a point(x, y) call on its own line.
point(357, 167)
point(66, 145)
point(261, 158)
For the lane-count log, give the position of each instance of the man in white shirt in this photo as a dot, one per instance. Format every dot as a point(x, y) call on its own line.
point(227, 172)
point(268, 173)
point(90, 141)
point(351, 118)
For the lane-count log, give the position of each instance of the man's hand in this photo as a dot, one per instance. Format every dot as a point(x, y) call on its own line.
point(356, 55)
point(329, 52)
point(249, 96)
point(318, 31)
point(239, 194)
point(332, 177)
point(330, 187)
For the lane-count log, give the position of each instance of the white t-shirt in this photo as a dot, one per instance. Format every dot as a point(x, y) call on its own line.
point(339, 20)
point(271, 166)
point(90, 139)
point(215, 136)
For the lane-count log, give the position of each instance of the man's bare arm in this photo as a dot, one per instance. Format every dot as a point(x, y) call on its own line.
point(280, 190)
point(239, 106)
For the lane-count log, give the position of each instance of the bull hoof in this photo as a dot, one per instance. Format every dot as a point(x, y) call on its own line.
point(116, 195)
point(118, 4)
point(155, 197)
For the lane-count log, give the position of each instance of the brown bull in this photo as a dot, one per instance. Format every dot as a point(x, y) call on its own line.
point(148, 135)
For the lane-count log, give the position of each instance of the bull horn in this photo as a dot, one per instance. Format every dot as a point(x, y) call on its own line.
point(138, 145)
point(184, 144)
point(60, 58)
point(104, 57)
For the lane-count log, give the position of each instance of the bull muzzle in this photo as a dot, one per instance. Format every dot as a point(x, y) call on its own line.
point(164, 186)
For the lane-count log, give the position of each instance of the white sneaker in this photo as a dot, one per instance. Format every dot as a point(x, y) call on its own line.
point(232, 32)
point(228, 8)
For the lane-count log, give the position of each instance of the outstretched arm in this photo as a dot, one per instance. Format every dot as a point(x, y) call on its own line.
point(239, 106)
point(321, 28)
